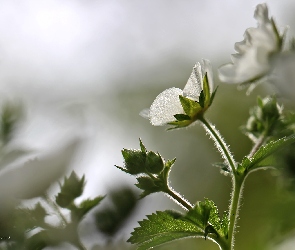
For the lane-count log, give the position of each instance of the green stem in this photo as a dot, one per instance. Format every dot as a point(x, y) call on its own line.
point(234, 207)
point(236, 180)
point(178, 198)
point(53, 205)
point(221, 145)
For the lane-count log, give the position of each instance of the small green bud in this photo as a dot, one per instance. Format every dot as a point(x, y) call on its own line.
point(264, 118)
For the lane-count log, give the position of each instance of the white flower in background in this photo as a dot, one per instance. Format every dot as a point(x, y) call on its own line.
point(182, 107)
point(253, 59)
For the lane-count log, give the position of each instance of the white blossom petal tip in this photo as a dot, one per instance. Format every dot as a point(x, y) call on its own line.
point(252, 60)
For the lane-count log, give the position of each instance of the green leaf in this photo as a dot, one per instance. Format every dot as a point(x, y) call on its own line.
point(263, 152)
point(121, 204)
point(148, 185)
point(71, 189)
point(163, 227)
point(154, 162)
point(205, 215)
point(190, 107)
point(142, 147)
point(134, 161)
point(86, 205)
point(224, 168)
point(182, 117)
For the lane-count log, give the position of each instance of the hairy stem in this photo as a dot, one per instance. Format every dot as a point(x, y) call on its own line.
point(220, 144)
point(234, 207)
point(237, 181)
point(178, 198)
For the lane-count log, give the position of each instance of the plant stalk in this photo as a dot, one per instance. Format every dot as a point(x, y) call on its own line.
point(177, 197)
point(221, 145)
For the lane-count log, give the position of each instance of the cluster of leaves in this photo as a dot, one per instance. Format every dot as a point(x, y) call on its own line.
point(152, 169)
point(163, 226)
point(22, 221)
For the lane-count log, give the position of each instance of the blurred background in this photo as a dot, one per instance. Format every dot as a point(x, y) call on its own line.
point(85, 69)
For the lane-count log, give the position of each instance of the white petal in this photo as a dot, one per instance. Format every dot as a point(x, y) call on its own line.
point(207, 68)
point(252, 60)
point(145, 113)
point(165, 106)
point(193, 87)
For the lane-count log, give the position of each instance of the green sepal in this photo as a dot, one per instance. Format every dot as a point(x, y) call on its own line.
point(205, 93)
point(202, 99)
point(71, 189)
point(182, 117)
point(163, 227)
point(179, 124)
point(190, 107)
point(142, 147)
point(213, 95)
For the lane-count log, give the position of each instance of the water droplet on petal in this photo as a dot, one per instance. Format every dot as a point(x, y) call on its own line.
point(165, 106)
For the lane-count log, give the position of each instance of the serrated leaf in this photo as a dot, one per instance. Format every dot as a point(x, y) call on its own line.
point(190, 107)
point(71, 189)
point(148, 185)
point(134, 161)
point(86, 205)
point(263, 152)
point(154, 162)
point(205, 215)
point(163, 227)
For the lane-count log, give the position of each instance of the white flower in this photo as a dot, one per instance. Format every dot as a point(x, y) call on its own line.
point(182, 107)
point(253, 58)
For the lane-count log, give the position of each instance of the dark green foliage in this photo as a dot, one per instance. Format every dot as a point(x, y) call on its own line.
point(16, 222)
point(182, 117)
point(152, 167)
point(71, 189)
point(162, 227)
point(134, 161)
point(110, 219)
point(154, 163)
